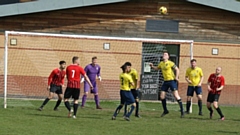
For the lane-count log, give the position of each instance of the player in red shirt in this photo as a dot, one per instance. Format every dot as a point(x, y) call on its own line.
point(55, 84)
point(74, 72)
point(215, 85)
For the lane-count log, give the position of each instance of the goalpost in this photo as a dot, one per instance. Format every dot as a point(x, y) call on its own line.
point(30, 57)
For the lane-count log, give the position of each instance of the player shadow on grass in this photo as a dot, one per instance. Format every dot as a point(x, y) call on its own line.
point(236, 120)
point(196, 118)
point(89, 117)
point(48, 115)
point(228, 132)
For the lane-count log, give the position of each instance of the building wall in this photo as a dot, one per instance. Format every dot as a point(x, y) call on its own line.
point(33, 58)
point(208, 27)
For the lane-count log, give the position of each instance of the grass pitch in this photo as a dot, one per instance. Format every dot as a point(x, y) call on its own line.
point(22, 118)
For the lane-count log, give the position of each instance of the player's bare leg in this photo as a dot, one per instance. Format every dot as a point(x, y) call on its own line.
point(96, 98)
point(164, 103)
point(178, 98)
point(68, 106)
point(189, 98)
point(200, 104)
point(215, 105)
point(50, 96)
point(84, 98)
point(210, 109)
point(60, 97)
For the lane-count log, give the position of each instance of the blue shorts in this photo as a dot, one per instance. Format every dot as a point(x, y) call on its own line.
point(126, 97)
point(169, 84)
point(191, 90)
point(87, 87)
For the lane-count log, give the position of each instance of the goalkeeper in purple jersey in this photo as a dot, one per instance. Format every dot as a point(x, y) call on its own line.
point(92, 70)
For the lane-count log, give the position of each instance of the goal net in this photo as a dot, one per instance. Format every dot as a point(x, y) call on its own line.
point(29, 58)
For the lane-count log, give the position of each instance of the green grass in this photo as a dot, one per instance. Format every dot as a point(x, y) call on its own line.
point(27, 120)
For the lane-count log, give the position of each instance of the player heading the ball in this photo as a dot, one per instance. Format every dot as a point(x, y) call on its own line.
point(170, 81)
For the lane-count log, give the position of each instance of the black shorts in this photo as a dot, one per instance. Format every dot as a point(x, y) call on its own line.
point(213, 97)
point(72, 92)
point(135, 93)
point(56, 89)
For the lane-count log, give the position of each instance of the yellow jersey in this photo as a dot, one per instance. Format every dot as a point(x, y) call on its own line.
point(134, 74)
point(167, 70)
point(194, 75)
point(125, 81)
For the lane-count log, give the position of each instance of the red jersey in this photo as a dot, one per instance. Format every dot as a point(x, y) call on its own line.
point(73, 75)
point(56, 77)
point(216, 82)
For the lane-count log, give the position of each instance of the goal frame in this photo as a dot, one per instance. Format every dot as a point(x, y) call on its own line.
point(7, 33)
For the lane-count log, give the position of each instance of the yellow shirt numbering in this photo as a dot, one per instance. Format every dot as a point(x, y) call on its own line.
point(167, 70)
point(194, 75)
point(134, 74)
point(125, 80)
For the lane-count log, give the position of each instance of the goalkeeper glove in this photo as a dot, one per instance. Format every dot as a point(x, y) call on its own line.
point(100, 78)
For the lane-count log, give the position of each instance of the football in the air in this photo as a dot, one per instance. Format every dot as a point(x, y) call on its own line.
point(163, 10)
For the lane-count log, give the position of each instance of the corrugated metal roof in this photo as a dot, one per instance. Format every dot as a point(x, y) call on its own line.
point(229, 5)
point(48, 5)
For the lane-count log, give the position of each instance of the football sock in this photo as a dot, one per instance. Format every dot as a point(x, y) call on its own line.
point(131, 110)
point(137, 108)
point(188, 106)
point(57, 104)
point(117, 110)
point(200, 105)
point(96, 100)
point(67, 104)
point(210, 109)
point(164, 105)
point(125, 109)
point(219, 112)
point(75, 108)
point(180, 104)
point(45, 102)
point(84, 98)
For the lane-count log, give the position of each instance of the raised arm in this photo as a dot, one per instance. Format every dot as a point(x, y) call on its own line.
point(153, 67)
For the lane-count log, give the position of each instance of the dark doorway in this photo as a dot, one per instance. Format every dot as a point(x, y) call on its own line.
point(151, 80)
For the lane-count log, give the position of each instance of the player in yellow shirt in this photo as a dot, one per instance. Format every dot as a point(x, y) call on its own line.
point(134, 89)
point(125, 93)
point(194, 77)
point(167, 67)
